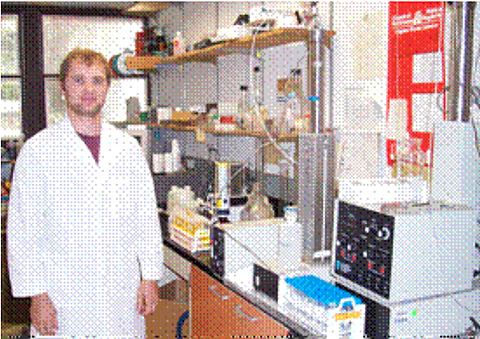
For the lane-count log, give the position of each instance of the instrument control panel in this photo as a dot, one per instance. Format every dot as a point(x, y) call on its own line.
point(363, 248)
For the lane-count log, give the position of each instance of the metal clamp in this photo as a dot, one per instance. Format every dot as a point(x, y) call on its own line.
point(238, 309)
point(214, 291)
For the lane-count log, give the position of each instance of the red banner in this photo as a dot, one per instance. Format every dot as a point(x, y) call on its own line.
point(415, 34)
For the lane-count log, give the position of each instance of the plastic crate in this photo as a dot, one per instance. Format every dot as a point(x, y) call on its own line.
point(189, 231)
point(324, 309)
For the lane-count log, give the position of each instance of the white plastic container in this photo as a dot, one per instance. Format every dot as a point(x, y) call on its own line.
point(164, 113)
point(169, 168)
point(179, 46)
point(158, 163)
point(176, 156)
point(172, 198)
point(290, 248)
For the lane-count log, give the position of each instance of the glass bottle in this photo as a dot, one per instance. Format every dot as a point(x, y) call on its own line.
point(295, 98)
point(257, 206)
point(243, 110)
point(258, 82)
point(262, 209)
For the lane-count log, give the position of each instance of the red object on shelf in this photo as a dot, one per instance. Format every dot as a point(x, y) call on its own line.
point(140, 43)
point(229, 119)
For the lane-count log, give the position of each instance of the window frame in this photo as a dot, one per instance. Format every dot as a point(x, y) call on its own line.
point(33, 103)
point(20, 73)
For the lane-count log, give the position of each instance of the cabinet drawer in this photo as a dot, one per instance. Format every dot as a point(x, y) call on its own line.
point(219, 312)
point(208, 301)
point(252, 322)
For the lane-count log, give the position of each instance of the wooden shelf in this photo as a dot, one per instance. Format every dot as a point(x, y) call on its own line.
point(210, 54)
point(191, 128)
point(180, 128)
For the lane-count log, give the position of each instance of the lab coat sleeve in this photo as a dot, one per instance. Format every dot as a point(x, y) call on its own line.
point(26, 226)
point(149, 242)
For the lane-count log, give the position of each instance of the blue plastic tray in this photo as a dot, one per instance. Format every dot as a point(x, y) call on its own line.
point(320, 290)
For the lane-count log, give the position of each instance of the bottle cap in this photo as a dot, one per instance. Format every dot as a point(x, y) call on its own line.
point(291, 213)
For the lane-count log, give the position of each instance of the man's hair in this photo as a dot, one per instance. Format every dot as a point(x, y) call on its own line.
point(86, 56)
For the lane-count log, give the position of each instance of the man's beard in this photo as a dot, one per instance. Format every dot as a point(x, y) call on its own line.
point(80, 111)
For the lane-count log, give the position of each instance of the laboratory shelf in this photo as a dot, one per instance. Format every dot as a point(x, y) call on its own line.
point(174, 126)
point(275, 37)
point(181, 128)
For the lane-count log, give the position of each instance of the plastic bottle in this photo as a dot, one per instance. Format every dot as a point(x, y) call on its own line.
point(176, 155)
point(290, 248)
point(179, 46)
point(216, 120)
point(189, 197)
point(171, 199)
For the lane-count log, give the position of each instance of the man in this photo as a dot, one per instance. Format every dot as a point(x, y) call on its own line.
point(84, 239)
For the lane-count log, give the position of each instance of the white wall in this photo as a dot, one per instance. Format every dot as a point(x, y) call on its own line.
point(360, 60)
point(279, 61)
point(200, 21)
point(172, 19)
point(191, 84)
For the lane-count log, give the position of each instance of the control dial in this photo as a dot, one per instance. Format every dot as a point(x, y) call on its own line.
point(384, 233)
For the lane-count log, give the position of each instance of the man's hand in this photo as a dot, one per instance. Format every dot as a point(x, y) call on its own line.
point(43, 314)
point(147, 297)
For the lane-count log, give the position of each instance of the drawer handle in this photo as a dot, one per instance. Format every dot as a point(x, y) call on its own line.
point(214, 291)
point(238, 309)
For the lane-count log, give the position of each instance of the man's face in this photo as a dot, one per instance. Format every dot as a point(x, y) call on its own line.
point(85, 89)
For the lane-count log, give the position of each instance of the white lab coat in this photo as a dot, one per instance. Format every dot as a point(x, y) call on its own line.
point(84, 233)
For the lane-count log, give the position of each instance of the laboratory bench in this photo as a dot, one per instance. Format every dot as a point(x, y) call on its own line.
point(221, 307)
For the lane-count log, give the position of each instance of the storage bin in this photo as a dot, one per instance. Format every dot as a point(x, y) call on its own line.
point(324, 309)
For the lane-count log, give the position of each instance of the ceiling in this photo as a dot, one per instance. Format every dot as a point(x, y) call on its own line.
point(84, 4)
point(137, 7)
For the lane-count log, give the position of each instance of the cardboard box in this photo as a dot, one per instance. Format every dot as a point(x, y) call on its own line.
point(185, 116)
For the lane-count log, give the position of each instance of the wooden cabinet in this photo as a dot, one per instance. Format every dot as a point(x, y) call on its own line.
point(218, 312)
